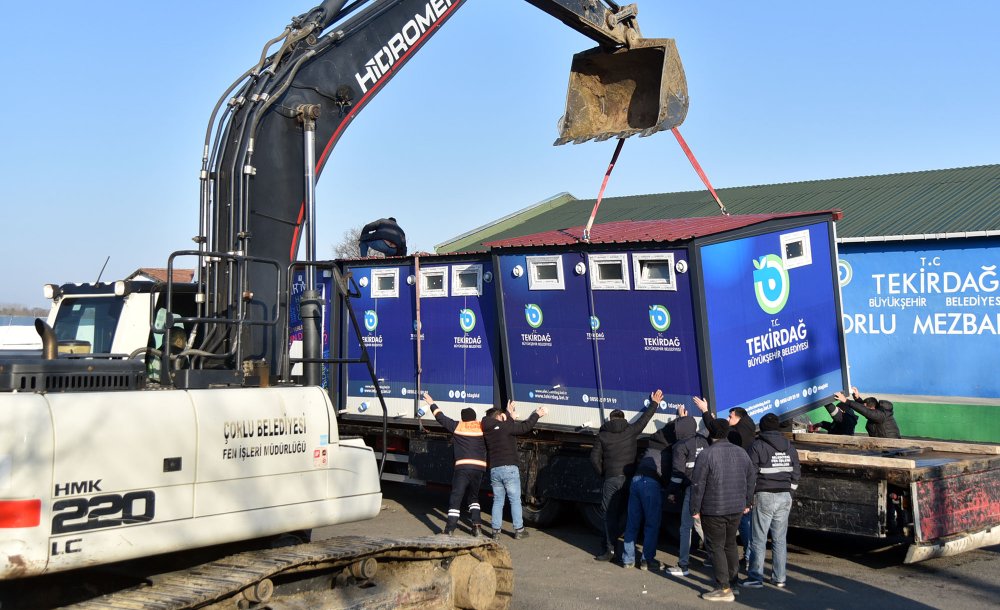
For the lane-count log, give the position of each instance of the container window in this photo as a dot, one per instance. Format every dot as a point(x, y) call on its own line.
point(385, 283)
point(608, 271)
point(433, 282)
point(545, 272)
point(796, 250)
point(654, 271)
point(467, 280)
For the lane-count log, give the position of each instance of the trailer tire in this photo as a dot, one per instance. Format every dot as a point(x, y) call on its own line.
point(542, 514)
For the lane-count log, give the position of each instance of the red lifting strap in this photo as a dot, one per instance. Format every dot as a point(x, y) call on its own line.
point(600, 195)
point(697, 168)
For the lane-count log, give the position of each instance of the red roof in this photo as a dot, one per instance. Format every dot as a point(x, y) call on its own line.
point(159, 274)
point(632, 231)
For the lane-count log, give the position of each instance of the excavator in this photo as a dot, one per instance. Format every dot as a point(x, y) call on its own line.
point(214, 433)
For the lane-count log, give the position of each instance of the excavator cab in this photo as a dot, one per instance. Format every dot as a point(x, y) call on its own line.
point(638, 89)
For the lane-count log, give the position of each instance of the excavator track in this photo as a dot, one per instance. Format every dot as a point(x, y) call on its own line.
point(342, 572)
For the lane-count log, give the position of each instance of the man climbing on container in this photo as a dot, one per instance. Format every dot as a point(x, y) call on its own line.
point(501, 429)
point(614, 451)
point(685, 450)
point(881, 422)
point(843, 421)
point(382, 235)
point(470, 465)
point(721, 493)
point(777, 464)
point(741, 432)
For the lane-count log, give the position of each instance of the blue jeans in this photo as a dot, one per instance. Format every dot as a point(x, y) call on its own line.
point(770, 513)
point(506, 482)
point(746, 536)
point(645, 499)
point(687, 524)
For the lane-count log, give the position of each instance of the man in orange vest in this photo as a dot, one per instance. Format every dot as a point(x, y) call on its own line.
point(470, 465)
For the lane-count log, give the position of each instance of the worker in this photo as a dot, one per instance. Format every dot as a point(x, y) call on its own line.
point(881, 422)
point(645, 501)
point(685, 450)
point(470, 465)
point(501, 429)
point(613, 452)
point(843, 421)
point(776, 462)
point(741, 432)
point(721, 493)
point(382, 235)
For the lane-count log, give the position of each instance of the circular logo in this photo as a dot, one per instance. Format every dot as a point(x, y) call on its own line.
point(595, 323)
point(531, 394)
point(467, 320)
point(533, 314)
point(371, 320)
point(586, 399)
point(451, 393)
point(417, 325)
point(463, 393)
point(844, 272)
point(770, 283)
point(659, 317)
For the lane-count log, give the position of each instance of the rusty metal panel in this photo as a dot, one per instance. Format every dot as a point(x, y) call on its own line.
point(832, 503)
point(958, 504)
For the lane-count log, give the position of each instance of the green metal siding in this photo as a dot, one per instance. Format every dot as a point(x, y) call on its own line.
point(929, 202)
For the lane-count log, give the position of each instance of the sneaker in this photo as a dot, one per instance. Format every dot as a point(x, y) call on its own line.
point(628, 565)
point(495, 535)
point(719, 595)
point(752, 583)
point(678, 571)
point(643, 565)
point(605, 556)
point(780, 585)
point(521, 533)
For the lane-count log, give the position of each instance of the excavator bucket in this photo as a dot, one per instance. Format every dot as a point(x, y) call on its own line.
point(637, 90)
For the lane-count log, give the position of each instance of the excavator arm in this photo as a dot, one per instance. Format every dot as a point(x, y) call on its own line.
point(317, 75)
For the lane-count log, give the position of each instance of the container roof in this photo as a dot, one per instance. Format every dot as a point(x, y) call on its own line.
point(632, 231)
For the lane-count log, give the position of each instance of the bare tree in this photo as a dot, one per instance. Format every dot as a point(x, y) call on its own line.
point(348, 245)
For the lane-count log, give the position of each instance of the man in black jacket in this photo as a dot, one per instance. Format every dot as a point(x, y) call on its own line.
point(777, 464)
point(881, 422)
point(844, 421)
point(687, 448)
point(721, 493)
point(470, 465)
point(613, 451)
point(645, 501)
point(501, 429)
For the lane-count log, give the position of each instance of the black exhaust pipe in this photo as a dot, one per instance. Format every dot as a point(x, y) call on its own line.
point(50, 345)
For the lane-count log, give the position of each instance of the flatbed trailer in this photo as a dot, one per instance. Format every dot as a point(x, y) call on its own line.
point(940, 497)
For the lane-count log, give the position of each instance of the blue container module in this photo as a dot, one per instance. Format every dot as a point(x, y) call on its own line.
point(458, 336)
point(741, 309)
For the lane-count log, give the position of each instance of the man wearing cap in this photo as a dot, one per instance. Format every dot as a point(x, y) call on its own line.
point(614, 450)
point(777, 466)
point(500, 429)
point(470, 465)
point(721, 493)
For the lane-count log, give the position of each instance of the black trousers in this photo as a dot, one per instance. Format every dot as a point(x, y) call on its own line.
point(720, 537)
point(464, 490)
point(614, 494)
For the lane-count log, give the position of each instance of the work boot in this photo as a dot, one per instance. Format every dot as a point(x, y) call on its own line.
point(496, 535)
point(477, 531)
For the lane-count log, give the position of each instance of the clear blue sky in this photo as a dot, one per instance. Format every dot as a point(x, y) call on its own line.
point(105, 106)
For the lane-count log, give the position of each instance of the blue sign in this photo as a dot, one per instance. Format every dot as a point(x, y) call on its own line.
point(923, 320)
point(773, 327)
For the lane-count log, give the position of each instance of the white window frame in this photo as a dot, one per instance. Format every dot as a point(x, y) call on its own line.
point(456, 286)
point(594, 262)
point(799, 261)
point(378, 293)
point(433, 293)
point(644, 283)
point(535, 283)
